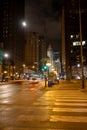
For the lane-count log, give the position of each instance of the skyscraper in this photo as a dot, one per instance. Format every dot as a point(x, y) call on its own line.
point(35, 48)
point(11, 31)
point(71, 43)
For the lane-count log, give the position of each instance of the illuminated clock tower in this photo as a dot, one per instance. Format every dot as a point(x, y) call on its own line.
point(50, 54)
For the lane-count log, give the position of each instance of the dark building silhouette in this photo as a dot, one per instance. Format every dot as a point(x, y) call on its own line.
point(35, 49)
point(11, 30)
point(71, 38)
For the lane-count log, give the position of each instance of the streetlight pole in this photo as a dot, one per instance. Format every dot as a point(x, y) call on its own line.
point(6, 55)
point(81, 48)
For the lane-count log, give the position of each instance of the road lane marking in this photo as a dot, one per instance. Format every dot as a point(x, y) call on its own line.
point(70, 104)
point(68, 119)
point(59, 109)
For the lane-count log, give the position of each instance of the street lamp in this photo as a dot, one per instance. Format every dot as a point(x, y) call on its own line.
point(24, 24)
point(6, 55)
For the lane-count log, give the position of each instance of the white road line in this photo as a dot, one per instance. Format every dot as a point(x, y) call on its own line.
point(71, 100)
point(68, 119)
point(71, 104)
point(59, 109)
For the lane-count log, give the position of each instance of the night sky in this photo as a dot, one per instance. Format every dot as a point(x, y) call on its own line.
point(43, 16)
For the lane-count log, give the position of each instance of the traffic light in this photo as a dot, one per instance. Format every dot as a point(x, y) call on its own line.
point(45, 68)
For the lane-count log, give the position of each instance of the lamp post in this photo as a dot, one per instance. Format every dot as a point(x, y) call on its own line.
point(6, 56)
point(81, 48)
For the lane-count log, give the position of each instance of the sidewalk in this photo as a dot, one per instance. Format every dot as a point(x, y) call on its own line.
point(64, 84)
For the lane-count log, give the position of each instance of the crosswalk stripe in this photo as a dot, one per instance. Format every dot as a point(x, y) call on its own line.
point(61, 103)
point(71, 108)
point(68, 119)
point(79, 104)
point(53, 118)
point(66, 97)
point(70, 104)
point(71, 100)
point(60, 109)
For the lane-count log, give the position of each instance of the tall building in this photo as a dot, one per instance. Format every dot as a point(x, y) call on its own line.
point(35, 48)
point(74, 19)
point(57, 63)
point(11, 31)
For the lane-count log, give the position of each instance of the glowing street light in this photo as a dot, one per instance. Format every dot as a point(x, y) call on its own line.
point(24, 24)
point(48, 64)
point(78, 65)
point(6, 55)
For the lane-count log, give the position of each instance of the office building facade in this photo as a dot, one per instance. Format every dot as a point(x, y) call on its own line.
point(74, 34)
point(35, 49)
point(11, 31)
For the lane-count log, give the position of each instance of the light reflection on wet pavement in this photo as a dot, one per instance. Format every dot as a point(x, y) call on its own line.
point(26, 107)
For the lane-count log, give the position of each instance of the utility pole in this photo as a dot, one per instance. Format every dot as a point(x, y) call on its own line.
point(81, 48)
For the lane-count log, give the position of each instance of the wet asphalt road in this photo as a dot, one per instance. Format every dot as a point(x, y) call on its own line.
point(19, 93)
point(27, 107)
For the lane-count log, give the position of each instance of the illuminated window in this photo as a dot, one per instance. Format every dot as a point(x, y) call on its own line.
point(83, 43)
point(71, 51)
point(77, 36)
point(77, 43)
point(71, 36)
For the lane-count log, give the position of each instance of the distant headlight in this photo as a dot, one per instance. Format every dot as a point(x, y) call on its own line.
point(78, 77)
point(57, 78)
